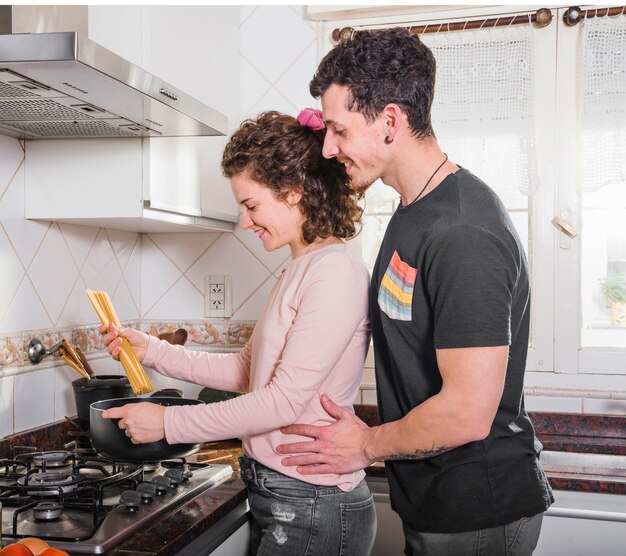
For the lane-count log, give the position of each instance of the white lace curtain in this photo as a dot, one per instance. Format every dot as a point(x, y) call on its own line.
point(483, 107)
point(603, 103)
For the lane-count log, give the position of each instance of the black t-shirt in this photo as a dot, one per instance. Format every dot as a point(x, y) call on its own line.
point(452, 273)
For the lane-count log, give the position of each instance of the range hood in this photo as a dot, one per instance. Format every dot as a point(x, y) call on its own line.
point(57, 85)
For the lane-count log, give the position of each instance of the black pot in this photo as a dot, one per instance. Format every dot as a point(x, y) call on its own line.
point(100, 387)
point(111, 442)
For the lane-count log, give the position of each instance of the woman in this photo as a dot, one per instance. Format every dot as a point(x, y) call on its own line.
point(311, 338)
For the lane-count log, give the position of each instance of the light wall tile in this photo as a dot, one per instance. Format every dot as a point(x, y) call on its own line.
point(101, 271)
point(273, 100)
point(6, 406)
point(245, 12)
point(252, 308)
point(124, 303)
point(11, 276)
point(132, 274)
point(604, 407)
point(80, 240)
point(368, 375)
point(550, 404)
point(34, 399)
point(26, 311)
point(182, 301)
point(253, 86)
point(369, 397)
point(64, 403)
point(78, 310)
point(53, 272)
point(294, 84)
point(184, 249)
point(123, 244)
point(107, 366)
point(265, 34)
point(26, 235)
point(158, 274)
point(11, 157)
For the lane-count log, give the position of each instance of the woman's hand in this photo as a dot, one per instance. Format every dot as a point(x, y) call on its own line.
point(111, 336)
point(143, 422)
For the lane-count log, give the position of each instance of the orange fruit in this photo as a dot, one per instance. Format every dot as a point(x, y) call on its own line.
point(53, 552)
point(15, 550)
point(36, 546)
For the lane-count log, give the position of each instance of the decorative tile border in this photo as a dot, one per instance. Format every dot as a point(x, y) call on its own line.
point(209, 336)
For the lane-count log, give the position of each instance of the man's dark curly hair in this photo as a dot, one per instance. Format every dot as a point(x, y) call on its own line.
point(277, 152)
point(382, 67)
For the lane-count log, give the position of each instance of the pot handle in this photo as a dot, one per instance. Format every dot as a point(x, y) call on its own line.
point(167, 393)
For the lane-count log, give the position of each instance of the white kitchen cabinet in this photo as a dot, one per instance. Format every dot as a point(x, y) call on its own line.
point(125, 184)
point(583, 523)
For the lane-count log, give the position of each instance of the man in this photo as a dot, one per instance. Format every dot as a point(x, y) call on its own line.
point(450, 310)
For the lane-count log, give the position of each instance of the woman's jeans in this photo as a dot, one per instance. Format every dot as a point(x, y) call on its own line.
point(514, 539)
point(294, 518)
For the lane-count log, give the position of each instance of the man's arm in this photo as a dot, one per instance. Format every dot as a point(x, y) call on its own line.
point(462, 412)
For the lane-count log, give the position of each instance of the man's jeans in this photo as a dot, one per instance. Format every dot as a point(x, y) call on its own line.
point(514, 539)
point(294, 518)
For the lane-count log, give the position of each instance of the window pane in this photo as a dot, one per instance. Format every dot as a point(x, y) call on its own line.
point(603, 182)
point(604, 267)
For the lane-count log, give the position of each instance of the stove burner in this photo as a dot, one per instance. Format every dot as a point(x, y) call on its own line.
point(49, 484)
point(47, 511)
point(52, 459)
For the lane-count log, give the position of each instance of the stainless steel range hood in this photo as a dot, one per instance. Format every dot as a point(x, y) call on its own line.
point(62, 85)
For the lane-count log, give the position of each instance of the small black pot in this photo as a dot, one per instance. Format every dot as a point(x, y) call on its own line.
point(111, 442)
point(100, 387)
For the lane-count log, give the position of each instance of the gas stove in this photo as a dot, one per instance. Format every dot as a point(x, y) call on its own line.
point(81, 503)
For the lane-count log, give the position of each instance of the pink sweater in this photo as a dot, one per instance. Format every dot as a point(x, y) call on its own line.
point(311, 338)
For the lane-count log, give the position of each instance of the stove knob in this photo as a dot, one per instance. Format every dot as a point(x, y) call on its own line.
point(161, 484)
point(164, 481)
point(131, 500)
point(178, 475)
point(147, 492)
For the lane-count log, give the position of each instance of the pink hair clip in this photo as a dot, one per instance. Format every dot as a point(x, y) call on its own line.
point(310, 117)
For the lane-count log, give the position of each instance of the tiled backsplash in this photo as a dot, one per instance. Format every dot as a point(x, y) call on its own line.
point(220, 335)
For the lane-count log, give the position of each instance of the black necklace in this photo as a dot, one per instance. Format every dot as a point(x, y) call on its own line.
point(424, 188)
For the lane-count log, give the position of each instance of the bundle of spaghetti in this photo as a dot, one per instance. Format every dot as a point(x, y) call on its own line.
point(139, 381)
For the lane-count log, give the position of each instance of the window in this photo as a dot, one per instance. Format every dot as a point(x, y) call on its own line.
point(540, 115)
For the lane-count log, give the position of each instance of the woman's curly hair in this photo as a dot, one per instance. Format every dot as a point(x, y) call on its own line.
point(279, 153)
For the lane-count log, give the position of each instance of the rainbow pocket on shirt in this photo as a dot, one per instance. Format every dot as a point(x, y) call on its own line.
point(395, 295)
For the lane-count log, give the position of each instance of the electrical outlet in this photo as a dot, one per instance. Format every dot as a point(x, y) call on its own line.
point(218, 296)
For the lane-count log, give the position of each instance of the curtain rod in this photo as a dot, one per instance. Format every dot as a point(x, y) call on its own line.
point(541, 18)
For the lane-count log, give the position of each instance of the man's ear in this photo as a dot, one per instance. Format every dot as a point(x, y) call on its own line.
point(393, 118)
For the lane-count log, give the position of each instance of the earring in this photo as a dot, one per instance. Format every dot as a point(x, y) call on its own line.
point(388, 140)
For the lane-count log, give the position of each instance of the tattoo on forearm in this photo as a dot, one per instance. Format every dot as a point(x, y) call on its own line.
point(421, 454)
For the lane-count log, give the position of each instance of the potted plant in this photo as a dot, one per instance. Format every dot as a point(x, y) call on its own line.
point(614, 290)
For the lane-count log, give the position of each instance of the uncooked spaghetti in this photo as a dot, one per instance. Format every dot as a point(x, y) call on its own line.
point(139, 381)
